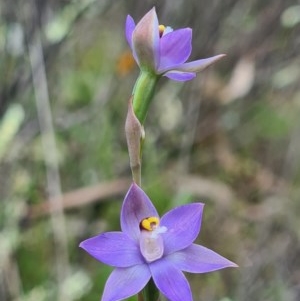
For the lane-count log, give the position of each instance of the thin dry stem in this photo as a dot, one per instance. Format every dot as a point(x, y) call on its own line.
point(50, 156)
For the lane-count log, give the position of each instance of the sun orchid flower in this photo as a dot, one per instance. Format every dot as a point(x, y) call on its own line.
point(162, 50)
point(152, 247)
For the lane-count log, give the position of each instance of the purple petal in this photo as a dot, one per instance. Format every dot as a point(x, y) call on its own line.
point(129, 28)
point(125, 282)
point(183, 225)
point(136, 207)
point(180, 76)
point(198, 259)
point(113, 248)
point(170, 281)
point(199, 65)
point(145, 41)
point(175, 48)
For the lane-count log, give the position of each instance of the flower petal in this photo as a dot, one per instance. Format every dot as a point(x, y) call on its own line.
point(170, 280)
point(145, 41)
point(113, 248)
point(199, 65)
point(125, 282)
point(198, 259)
point(175, 48)
point(183, 224)
point(129, 28)
point(180, 76)
point(136, 207)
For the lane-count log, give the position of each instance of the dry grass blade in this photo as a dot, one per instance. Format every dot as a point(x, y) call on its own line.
point(82, 197)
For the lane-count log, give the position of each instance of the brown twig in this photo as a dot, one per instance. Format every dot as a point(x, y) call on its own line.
point(81, 197)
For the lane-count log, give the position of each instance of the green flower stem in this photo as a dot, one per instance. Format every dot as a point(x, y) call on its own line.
point(150, 292)
point(143, 92)
point(140, 297)
point(142, 96)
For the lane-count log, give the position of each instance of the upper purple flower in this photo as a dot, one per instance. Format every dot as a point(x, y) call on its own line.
point(163, 51)
point(152, 247)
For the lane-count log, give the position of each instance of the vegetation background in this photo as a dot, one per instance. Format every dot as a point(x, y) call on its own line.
point(230, 138)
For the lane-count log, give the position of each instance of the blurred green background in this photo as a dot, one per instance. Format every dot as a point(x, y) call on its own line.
point(230, 138)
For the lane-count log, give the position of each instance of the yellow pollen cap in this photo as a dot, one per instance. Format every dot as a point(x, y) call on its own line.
point(150, 223)
point(161, 29)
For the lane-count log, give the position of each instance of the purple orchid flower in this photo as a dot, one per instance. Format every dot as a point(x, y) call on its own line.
point(163, 51)
point(148, 247)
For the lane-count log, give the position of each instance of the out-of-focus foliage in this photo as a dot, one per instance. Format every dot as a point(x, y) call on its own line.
point(230, 138)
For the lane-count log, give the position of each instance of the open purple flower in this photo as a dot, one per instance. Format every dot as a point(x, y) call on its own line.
point(163, 51)
point(152, 247)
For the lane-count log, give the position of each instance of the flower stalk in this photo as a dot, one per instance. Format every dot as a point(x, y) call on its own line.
point(143, 93)
point(150, 292)
point(138, 106)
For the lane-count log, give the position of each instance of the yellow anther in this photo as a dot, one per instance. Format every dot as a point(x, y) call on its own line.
point(150, 223)
point(161, 29)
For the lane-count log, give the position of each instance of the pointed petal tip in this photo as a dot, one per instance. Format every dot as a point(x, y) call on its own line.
point(201, 205)
point(153, 9)
point(231, 264)
point(199, 259)
point(198, 65)
point(219, 56)
point(129, 28)
point(151, 12)
point(134, 187)
point(82, 245)
point(145, 41)
point(136, 206)
point(129, 19)
point(234, 265)
point(129, 23)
